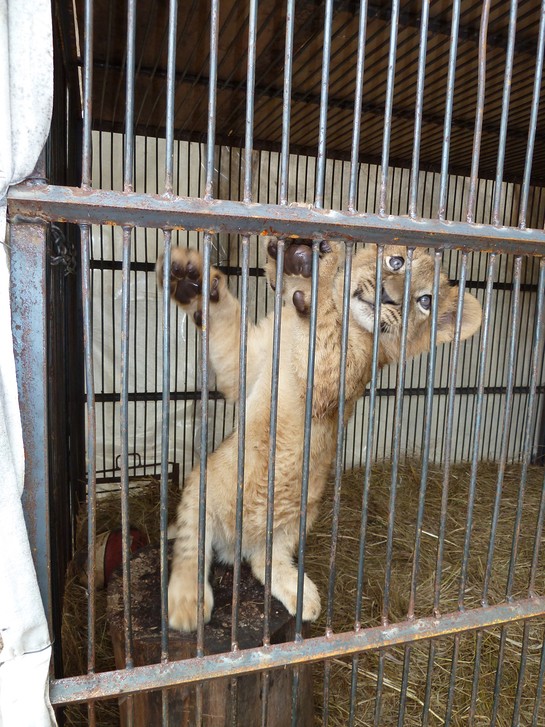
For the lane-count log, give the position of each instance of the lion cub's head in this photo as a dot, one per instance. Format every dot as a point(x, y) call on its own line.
point(362, 301)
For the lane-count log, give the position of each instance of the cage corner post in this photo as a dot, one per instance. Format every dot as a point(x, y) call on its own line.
point(27, 242)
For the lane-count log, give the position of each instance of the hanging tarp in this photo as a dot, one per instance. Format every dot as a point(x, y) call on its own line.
point(26, 100)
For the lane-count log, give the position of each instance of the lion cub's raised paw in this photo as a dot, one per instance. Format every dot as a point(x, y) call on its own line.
point(298, 269)
point(186, 278)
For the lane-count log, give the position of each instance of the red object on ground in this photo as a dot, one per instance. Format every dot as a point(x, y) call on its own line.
point(113, 550)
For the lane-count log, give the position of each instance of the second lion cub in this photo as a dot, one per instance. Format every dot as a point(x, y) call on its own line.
point(224, 336)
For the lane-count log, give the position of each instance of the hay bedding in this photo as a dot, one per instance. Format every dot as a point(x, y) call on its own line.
point(144, 514)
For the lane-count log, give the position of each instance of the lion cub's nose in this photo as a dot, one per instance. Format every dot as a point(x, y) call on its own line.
point(385, 298)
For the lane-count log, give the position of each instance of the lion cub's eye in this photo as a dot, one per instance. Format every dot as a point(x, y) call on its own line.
point(425, 301)
point(396, 262)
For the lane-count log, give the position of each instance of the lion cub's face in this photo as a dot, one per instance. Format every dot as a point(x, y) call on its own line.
point(362, 302)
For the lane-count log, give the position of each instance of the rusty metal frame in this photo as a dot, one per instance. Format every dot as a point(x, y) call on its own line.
point(93, 206)
point(159, 676)
point(29, 328)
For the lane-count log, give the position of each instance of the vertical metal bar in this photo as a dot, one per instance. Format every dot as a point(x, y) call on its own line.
point(505, 110)
point(476, 674)
point(358, 97)
point(212, 83)
point(241, 442)
point(453, 49)
point(418, 108)
point(524, 472)
point(404, 685)
point(29, 313)
point(526, 453)
point(501, 471)
point(388, 108)
point(204, 459)
point(452, 683)
point(87, 93)
point(398, 421)
point(533, 120)
point(477, 431)
point(424, 476)
point(171, 87)
point(306, 440)
point(380, 680)
point(338, 465)
point(208, 194)
point(252, 32)
point(470, 216)
point(286, 102)
point(163, 508)
point(429, 681)
point(91, 445)
point(368, 463)
point(448, 433)
point(322, 131)
point(124, 459)
point(513, 340)
point(499, 672)
point(446, 478)
point(272, 462)
point(306, 468)
point(125, 310)
point(240, 461)
point(522, 671)
point(427, 432)
point(370, 434)
point(250, 84)
point(340, 434)
point(129, 97)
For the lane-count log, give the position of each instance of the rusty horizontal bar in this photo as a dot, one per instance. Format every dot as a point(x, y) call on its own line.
point(160, 676)
point(69, 204)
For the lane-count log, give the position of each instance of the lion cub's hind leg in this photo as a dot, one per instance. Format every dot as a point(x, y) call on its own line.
point(284, 579)
point(183, 583)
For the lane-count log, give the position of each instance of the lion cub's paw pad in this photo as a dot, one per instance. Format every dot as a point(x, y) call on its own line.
point(299, 301)
point(298, 260)
point(298, 256)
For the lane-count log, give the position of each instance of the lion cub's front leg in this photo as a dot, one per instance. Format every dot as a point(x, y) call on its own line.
point(186, 282)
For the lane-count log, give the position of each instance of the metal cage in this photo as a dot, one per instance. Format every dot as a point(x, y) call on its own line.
point(417, 124)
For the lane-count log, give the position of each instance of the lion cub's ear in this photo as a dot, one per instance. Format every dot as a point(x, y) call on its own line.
point(471, 318)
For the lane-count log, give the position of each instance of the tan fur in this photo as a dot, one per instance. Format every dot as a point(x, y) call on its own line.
point(224, 328)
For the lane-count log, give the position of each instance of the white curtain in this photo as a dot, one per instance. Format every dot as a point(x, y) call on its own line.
point(26, 100)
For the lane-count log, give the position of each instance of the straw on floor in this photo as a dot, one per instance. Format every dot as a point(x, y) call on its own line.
point(144, 515)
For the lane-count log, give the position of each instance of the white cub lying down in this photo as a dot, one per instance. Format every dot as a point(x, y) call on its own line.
point(224, 338)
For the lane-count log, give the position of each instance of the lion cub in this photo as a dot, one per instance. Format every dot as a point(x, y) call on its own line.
point(224, 337)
